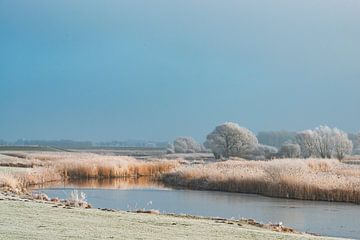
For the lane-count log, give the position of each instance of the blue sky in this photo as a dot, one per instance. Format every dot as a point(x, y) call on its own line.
point(157, 69)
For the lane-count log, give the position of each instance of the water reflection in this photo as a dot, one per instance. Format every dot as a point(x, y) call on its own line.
point(114, 183)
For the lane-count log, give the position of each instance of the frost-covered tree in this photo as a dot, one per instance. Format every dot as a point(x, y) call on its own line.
point(186, 145)
point(324, 142)
point(275, 138)
point(325, 138)
point(170, 148)
point(290, 150)
point(261, 152)
point(229, 139)
point(355, 139)
point(305, 139)
point(356, 144)
point(342, 145)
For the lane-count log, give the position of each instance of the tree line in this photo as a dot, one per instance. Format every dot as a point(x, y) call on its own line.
point(231, 140)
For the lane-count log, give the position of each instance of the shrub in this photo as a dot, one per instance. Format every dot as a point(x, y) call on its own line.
point(290, 150)
point(261, 152)
point(186, 145)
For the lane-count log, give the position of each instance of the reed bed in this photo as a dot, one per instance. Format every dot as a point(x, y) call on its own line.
point(108, 167)
point(63, 166)
point(310, 179)
point(90, 165)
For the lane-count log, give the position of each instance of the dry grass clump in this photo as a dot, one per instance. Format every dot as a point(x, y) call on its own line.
point(77, 199)
point(18, 181)
point(310, 179)
point(8, 180)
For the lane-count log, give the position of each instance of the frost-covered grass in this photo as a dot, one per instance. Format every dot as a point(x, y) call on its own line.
point(17, 160)
point(34, 220)
point(310, 179)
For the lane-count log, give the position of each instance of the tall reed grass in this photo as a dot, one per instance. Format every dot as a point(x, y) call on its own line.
point(18, 181)
point(311, 179)
point(79, 166)
point(62, 166)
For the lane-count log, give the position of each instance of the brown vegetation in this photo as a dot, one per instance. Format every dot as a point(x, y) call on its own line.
point(18, 181)
point(310, 179)
point(62, 166)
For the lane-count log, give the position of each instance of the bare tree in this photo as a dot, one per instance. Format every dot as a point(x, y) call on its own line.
point(342, 144)
point(355, 139)
point(307, 143)
point(324, 142)
point(229, 139)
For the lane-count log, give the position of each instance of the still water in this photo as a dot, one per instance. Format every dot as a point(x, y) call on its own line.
point(325, 218)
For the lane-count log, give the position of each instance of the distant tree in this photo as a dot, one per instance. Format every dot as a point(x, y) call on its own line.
point(342, 145)
point(186, 145)
point(306, 141)
point(261, 152)
point(290, 150)
point(276, 138)
point(170, 148)
point(324, 142)
point(229, 139)
point(355, 139)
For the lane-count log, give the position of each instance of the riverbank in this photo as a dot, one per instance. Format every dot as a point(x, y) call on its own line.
point(42, 220)
point(303, 179)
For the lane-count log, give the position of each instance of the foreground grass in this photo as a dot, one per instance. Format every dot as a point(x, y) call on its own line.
point(34, 220)
point(305, 179)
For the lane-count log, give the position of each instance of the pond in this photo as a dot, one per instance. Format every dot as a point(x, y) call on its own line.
point(324, 218)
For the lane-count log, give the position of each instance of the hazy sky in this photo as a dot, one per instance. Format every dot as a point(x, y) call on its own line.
point(157, 69)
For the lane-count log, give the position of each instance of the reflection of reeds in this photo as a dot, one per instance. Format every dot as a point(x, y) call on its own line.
point(310, 179)
point(108, 183)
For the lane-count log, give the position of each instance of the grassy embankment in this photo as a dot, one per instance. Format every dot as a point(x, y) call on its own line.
point(35, 220)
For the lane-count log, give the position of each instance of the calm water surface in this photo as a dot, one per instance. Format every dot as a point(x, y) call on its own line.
point(330, 219)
